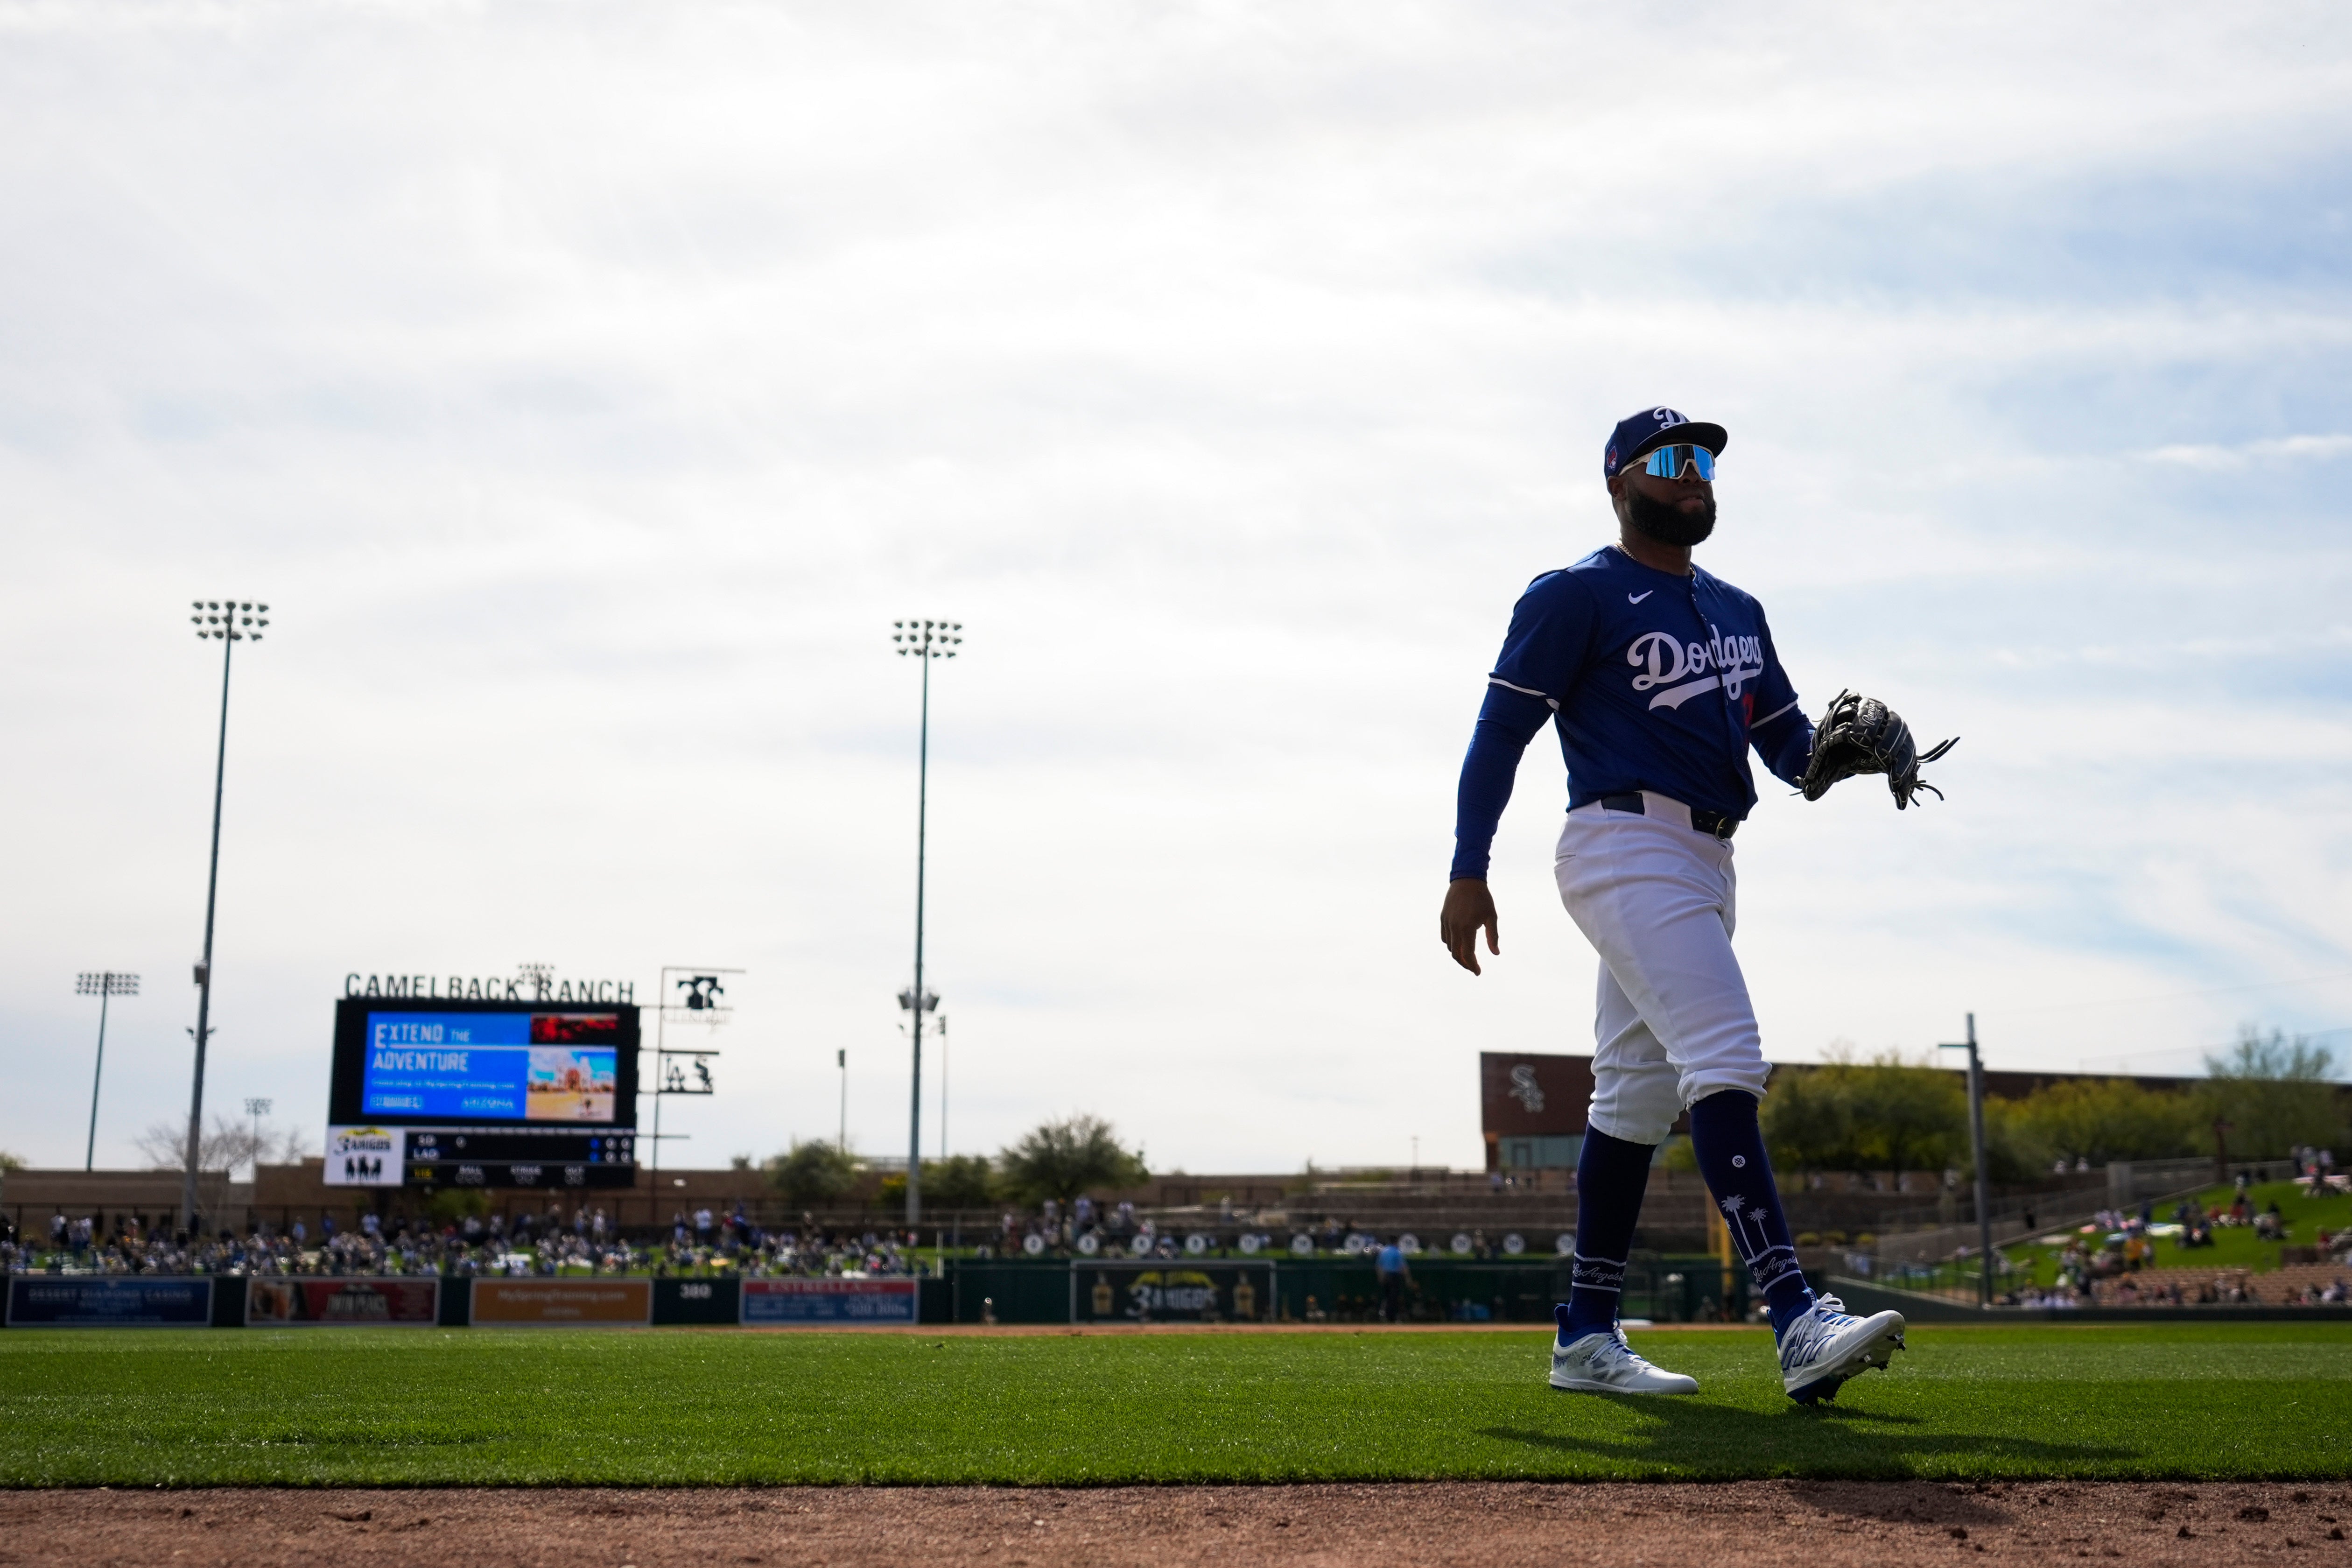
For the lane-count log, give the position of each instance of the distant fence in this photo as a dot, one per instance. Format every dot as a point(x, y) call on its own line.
point(1659, 1288)
point(1043, 1291)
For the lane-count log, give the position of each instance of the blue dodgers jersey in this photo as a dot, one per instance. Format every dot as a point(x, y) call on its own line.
point(1656, 681)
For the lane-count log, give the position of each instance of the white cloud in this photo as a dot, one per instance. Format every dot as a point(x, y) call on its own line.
point(2315, 448)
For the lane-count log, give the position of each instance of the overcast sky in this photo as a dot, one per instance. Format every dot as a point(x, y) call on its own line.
point(587, 388)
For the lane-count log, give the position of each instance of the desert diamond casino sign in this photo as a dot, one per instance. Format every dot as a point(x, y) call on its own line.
point(458, 1090)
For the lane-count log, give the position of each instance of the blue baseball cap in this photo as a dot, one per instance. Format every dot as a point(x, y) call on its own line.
point(1637, 432)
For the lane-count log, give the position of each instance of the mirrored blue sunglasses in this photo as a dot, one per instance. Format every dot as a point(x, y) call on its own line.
point(1667, 462)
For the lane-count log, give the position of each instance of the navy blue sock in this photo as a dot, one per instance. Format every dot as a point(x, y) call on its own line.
point(1611, 1177)
point(1730, 1150)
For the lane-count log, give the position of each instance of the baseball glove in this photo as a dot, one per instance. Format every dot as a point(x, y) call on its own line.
point(1862, 735)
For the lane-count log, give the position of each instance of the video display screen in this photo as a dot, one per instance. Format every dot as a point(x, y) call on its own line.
point(548, 1066)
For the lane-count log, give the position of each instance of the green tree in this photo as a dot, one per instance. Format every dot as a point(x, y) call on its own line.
point(1062, 1159)
point(813, 1173)
point(9, 1162)
point(1808, 1120)
point(958, 1181)
point(2273, 1091)
point(1909, 1118)
point(2014, 1148)
point(2103, 1119)
point(1881, 1114)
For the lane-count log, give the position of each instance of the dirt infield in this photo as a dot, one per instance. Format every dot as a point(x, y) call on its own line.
point(1820, 1524)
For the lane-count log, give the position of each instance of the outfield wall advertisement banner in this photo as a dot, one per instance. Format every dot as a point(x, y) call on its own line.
point(110, 1301)
point(563, 1302)
point(768, 1302)
point(273, 1304)
point(1172, 1292)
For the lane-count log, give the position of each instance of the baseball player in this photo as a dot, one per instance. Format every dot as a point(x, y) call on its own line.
point(1660, 677)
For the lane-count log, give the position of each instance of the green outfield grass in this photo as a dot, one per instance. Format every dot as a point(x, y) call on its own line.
point(428, 1407)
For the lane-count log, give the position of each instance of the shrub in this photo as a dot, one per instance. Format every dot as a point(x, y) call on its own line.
point(813, 1173)
point(958, 1182)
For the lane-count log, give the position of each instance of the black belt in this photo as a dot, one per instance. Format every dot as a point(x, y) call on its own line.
point(1714, 824)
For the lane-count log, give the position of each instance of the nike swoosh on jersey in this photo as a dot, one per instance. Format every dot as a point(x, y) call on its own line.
point(1637, 598)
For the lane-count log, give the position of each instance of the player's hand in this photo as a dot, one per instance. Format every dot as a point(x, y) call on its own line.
point(1468, 907)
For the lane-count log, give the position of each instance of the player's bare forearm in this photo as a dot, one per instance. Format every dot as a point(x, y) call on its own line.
point(1469, 908)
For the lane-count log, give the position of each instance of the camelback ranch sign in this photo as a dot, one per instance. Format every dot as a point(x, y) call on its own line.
point(1174, 1292)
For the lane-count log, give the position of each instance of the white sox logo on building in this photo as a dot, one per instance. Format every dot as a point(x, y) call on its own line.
point(1665, 660)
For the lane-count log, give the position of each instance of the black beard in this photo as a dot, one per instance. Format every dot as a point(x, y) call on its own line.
point(1666, 522)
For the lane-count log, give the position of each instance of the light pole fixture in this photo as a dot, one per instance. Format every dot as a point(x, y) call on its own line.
point(257, 1107)
point(926, 641)
point(101, 985)
point(1977, 1147)
point(232, 621)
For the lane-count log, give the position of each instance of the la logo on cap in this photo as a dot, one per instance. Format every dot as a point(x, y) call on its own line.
point(1639, 431)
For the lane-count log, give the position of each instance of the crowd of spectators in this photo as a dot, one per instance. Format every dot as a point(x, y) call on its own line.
point(583, 1240)
point(1084, 1229)
point(583, 1243)
point(2107, 1264)
point(2229, 1286)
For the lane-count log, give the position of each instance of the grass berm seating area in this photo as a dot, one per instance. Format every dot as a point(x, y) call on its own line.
point(2235, 1250)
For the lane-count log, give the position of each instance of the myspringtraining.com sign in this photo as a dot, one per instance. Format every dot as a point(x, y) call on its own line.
point(488, 988)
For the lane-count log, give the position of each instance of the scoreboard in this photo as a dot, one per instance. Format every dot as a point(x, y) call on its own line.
point(482, 1094)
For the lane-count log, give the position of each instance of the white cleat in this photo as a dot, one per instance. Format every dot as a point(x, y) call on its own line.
point(1602, 1362)
point(1827, 1345)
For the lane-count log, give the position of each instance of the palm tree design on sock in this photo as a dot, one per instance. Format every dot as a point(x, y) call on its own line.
point(1736, 1214)
point(1765, 1262)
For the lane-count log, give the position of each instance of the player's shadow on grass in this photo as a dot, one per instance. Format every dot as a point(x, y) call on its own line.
point(1822, 1441)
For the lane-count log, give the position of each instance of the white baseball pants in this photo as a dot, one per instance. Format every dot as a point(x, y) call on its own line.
point(1655, 899)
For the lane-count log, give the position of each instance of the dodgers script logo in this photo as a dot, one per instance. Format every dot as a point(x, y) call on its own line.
point(1679, 667)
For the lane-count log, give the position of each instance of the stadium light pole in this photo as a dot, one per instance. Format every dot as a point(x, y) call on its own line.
point(257, 1107)
point(102, 985)
point(926, 641)
point(232, 621)
point(1977, 1147)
